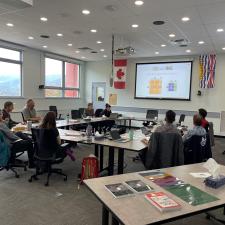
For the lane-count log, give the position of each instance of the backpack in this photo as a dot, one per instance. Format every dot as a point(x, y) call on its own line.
point(4, 151)
point(89, 168)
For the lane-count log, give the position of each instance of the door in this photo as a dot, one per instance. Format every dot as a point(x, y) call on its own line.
point(98, 95)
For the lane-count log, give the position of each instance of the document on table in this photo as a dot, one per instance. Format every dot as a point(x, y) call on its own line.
point(200, 175)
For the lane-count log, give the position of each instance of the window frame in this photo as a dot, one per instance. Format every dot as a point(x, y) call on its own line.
point(18, 62)
point(63, 88)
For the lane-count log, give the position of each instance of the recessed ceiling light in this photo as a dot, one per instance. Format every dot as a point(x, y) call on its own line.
point(86, 12)
point(98, 42)
point(10, 24)
point(102, 50)
point(220, 30)
point(135, 25)
point(163, 45)
point(185, 19)
point(44, 46)
point(172, 35)
point(77, 51)
point(223, 48)
point(201, 42)
point(30, 38)
point(105, 56)
point(70, 44)
point(188, 51)
point(60, 35)
point(93, 31)
point(44, 19)
point(156, 53)
point(139, 3)
point(83, 57)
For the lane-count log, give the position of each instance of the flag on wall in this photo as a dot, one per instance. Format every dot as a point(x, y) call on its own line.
point(207, 67)
point(120, 70)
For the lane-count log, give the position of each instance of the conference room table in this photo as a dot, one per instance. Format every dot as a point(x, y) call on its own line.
point(134, 145)
point(136, 210)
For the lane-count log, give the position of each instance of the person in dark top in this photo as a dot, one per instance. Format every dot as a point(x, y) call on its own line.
point(49, 122)
point(204, 122)
point(17, 143)
point(89, 111)
point(8, 108)
point(107, 111)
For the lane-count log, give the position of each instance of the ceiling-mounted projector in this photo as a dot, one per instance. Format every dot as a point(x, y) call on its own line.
point(15, 4)
point(124, 51)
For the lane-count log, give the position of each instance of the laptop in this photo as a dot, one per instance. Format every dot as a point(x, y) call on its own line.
point(116, 136)
point(113, 116)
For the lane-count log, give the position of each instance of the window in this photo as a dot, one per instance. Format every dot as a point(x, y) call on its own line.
point(61, 78)
point(10, 72)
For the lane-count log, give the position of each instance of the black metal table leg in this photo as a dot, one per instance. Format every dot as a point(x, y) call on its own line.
point(129, 123)
point(105, 216)
point(111, 161)
point(101, 157)
point(96, 150)
point(114, 221)
point(120, 160)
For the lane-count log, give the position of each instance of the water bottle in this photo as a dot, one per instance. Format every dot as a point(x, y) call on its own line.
point(89, 132)
point(131, 134)
point(29, 125)
point(68, 118)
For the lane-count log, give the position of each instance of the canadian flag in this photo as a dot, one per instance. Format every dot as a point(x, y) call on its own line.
point(120, 72)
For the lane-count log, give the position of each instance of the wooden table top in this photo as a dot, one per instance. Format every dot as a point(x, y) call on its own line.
point(136, 210)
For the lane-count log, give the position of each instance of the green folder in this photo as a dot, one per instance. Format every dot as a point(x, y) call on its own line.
point(191, 194)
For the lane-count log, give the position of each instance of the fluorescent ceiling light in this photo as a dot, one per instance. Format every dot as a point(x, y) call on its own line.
point(86, 12)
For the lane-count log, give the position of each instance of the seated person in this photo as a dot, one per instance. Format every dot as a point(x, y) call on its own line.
point(204, 123)
point(107, 111)
point(29, 112)
point(197, 129)
point(107, 125)
point(49, 122)
point(89, 111)
point(8, 108)
point(167, 127)
point(16, 144)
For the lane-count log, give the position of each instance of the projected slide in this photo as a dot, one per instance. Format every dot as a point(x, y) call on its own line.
point(163, 80)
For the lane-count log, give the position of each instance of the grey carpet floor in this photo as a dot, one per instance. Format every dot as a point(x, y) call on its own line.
point(62, 203)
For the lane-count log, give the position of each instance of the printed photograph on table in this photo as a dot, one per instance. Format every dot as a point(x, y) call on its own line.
point(139, 186)
point(119, 190)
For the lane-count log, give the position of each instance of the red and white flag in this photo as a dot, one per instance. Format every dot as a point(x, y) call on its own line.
point(120, 72)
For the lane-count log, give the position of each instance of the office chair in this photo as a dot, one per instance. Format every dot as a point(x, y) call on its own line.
point(82, 111)
point(150, 115)
point(53, 108)
point(181, 119)
point(165, 150)
point(23, 118)
point(197, 149)
point(98, 112)
point(45, 145)
point(12, 162)
point(75, 114)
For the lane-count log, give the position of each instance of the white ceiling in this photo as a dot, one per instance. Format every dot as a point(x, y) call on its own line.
point(64, 16)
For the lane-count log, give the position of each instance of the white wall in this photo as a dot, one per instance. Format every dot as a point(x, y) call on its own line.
point(211, 99)
point(33, 76)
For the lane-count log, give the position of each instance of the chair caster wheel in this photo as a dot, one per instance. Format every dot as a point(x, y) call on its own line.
point(65, 179)
point(17, 175)
point(207, 217)
point(30, 180)
point(47, 184)
point(25, 168)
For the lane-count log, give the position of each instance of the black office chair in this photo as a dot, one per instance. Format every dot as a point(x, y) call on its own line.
point(150, 115)
point(82, 111)
point(23, 118)
point(53, 108)
point(98, 112)
point(12, 162)
point(75, 114)
point(45, 144)
point(181, 119)
point(164, 150)
point(197, 149)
